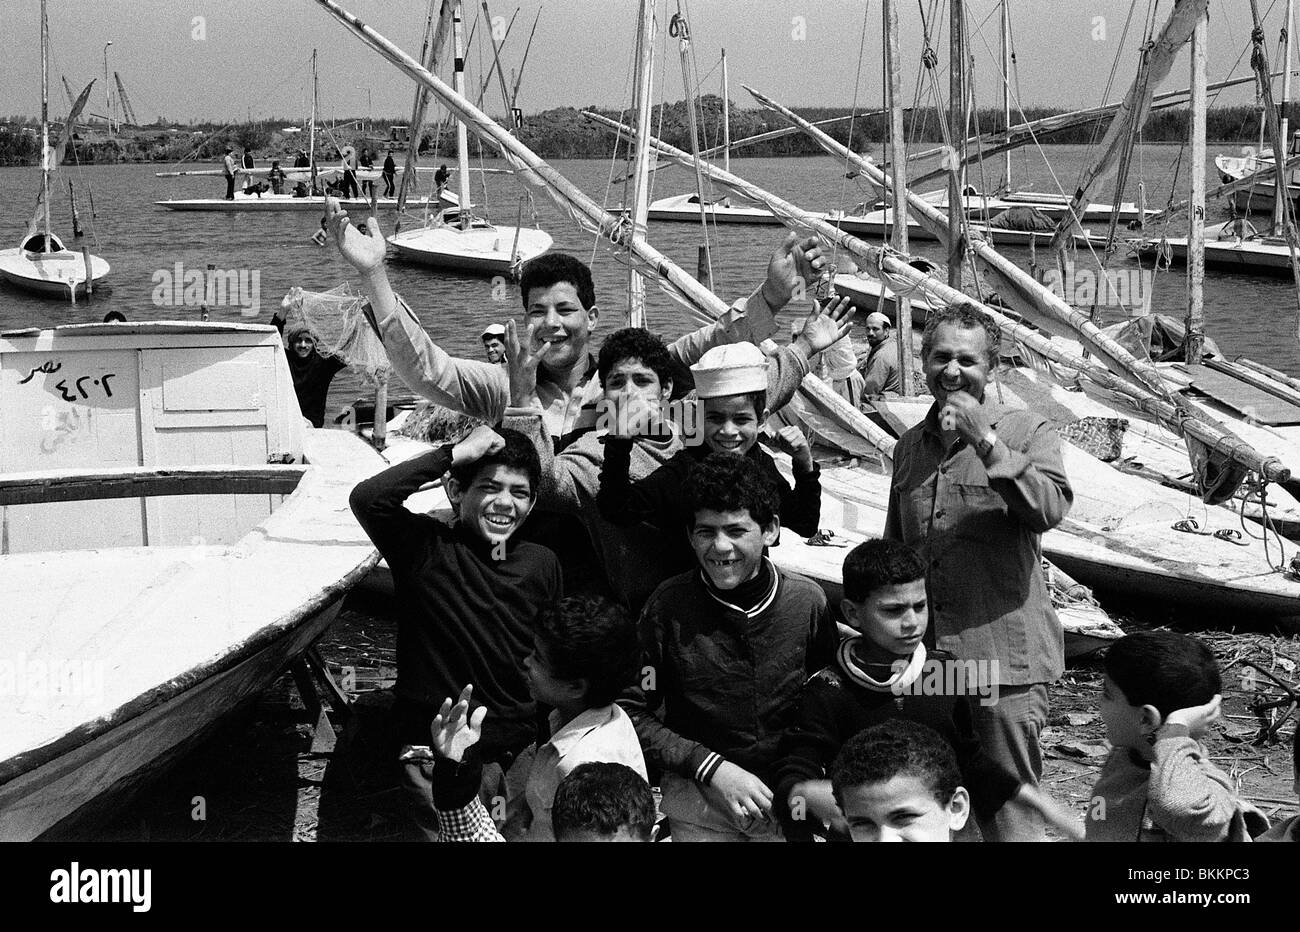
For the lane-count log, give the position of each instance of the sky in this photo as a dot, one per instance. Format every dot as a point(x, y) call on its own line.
point(227, 60)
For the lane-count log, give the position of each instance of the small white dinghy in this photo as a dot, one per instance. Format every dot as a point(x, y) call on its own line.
point(58, 272)
point(173, 538)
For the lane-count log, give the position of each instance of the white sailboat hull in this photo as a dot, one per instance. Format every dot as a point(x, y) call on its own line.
point(57, 274)
point(283, 202)
point(488, 250)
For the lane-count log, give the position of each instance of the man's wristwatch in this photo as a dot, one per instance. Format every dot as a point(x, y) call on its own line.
point(986, 444)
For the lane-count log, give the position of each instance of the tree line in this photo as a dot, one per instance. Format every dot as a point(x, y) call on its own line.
point(564, 133)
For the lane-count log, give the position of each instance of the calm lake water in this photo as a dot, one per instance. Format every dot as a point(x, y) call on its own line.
point(1246, 315)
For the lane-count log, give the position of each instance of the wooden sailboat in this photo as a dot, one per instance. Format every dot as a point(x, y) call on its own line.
point(41, 263)
point(456, 239)
point(313, 178)
point(158, 572)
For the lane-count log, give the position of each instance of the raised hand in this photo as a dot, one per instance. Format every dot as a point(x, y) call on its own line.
point(800, 452)
point(1198, 719)
point(964, 414)
point(827, 324)
point(454, 729)
point(795, 265)
point(481, 441)
point(522, 362)
point(364, 253)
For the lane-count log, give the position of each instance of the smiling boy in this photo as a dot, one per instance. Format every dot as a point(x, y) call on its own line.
point(468, 594)
point(899, 781)
point(728, 645)
point(312, 372)
point(885, 674)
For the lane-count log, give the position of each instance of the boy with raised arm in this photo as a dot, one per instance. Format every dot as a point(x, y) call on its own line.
point(468, 595)
point(559, 301)
point(1160, 694)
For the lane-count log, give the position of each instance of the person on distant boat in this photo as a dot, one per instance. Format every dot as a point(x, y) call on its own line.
point(975, 487)
point(114, 317)
point(257, 189)
point(246, 166)
point(367, 162)
point(390, 174)
point(879, 364)
point(494, 343)
point(348, 155)
point(440, 178)
point(302, 161)
point(276, 178)
point(300, 189)
point(311, 371)
point(228, 167)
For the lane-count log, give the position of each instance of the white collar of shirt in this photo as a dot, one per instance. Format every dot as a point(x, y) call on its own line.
point(564, 735)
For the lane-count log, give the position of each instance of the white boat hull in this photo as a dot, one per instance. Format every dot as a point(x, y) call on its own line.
point(283, 202)
point(488, 251)
point(57, 274)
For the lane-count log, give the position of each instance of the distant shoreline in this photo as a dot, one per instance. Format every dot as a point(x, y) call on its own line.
point(563, 133)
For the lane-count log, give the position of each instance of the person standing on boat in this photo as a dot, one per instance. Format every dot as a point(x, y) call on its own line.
point(440, 178)
point(348, 154)
point(228, 167)
point(367, 163)
point(276, 177)
point(879, 364)
point(312, 372)
point(390, 174)
point(975, 487)
point(302, 161)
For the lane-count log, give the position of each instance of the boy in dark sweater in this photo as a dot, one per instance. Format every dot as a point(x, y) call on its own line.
point(731, 385)
point(728, 645)
point(468, 595)
point(886, 673)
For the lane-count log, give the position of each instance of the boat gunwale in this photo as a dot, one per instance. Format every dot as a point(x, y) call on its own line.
point(28, 760)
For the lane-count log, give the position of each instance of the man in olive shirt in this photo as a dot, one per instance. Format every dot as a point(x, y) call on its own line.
point(975, 486)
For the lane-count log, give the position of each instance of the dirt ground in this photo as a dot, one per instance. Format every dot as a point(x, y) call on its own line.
point(258, 779)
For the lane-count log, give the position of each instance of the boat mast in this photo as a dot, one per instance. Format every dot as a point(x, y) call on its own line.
point(683, 33)
point(1006, 91)
point(726, 116)
point(1195, 321)
point(898, 174)
point(642, 92)
point(1281, 179)
point(956, 137)
point(45, 121)
point(311, 129)
point(462, 135)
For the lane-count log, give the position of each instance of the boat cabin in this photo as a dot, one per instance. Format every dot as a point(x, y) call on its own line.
point(36, 243)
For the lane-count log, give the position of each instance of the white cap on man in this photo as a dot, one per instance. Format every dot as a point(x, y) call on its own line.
point(493, 330)
point(732, 369)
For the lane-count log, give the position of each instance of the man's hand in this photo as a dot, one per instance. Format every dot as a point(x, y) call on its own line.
point(522, 362)
point(1199, 718)
point(795, 265)
point(827, 324)
point(739, 793)
point(965, 415)
point(800, 453)
point(481, 441)
point(454, 729)
point(364, 253)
